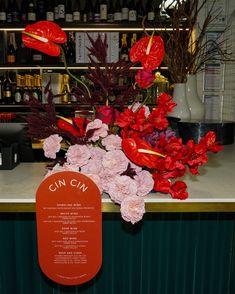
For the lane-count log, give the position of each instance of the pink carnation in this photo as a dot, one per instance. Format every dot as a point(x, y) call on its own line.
point(112, 142)
point(97, 152)
point(144, 182)
point(93, 166)
point(101, 130)
point(132, 209)
point(61, 168)
point(96, 180)
point(121, 187)
point(115, 161)
point(78, 155)
point(51, 146)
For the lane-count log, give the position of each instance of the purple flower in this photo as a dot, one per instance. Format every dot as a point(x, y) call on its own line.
point(144, 182)
point(112, 142)
point(121, 187)
point(51, 146)
point(132, 209)
point(78, 155)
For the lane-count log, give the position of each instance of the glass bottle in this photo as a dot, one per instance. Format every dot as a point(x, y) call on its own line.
point(50, 11)
point(117, 12)
point(65, 98)
point(31, 13)
point(18, 95)
point(124, 54)
point(132, 11)
point(97, 11)
point(37, 57)
point(7, 89)
point(23, 11)
point(1, 94)
point(140, 11)
point(41, 9)
point(23, 54)
point(9, 12)
point(125, 11)
point(150, 11)
point(103, 10)
point(26, 89)
point(3, 15)
point(15, 13)
point(56, 10)
point(70, 49)
point(110, 12)
point(89, 10)
point(76, 12)
point(11, 49)
point(68, 11)
point(61, 10)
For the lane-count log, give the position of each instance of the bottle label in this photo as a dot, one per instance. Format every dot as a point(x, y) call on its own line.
point(15, 158)
point(132, 15)
point(110, 17)
point(151, 15)
point(35, 94)
point(0, 158)
point(103, 11)
point(56, 12)
point(117, 16)
point(50, 16)
point(32, 16)
point(11, 58)
point(125, 13)
point(3, 16)
point(9, 17)
point(37, 57)
point(17, 97)
point(7, 94)
point(84, 17)
point(61, 11)
point(124, 56)
point(23, 17)
point(68, 17)
point(76, 16)
point(26, 96)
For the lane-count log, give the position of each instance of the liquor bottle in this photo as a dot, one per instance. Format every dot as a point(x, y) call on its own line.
point(133, 39)
point(15, 13)
point(31, 13)
point(23, 10)
point(7, 89)
point(65, 98)
point(37, 57)
point(88, 11)
point(50, 11)
point(110, 11)
point(34, 87)
point(68, 11)
point(41, 9)
point(150, 11)
point(124, 54)
point(23, 54)
point(1, 94)
point(117, 12)
point(56, 10)
point(97, 11)
point(70, 49)
point(140, 11)
point(26, 89)
point(9, 12)
point(125, 11)
point(132, 11)
point(61, 10)
point(103, 10)
point(18, 95)
point(76, 11)
point(11, 49)
point(37, 91)
point(3, 15)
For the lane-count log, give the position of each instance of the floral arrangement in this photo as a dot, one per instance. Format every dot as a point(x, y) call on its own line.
point(127, 152)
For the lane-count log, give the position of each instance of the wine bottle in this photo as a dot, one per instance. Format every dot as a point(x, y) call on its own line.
point(110, 11)
point(1, 94)
point(68, 11)
point(26, 89)
point(41, 9)
point(125, 11)
point(103, 10)
point(56, 10)
point(65, 98)
point(150, 11)
point(23, 11)
point(15, 13)
point(11, 49)
point(9, 12)
point(124, 54)
point(7, 89)
point(31, 14)
point(35, 88)
point(18, 95)
point(61, 10)
point(132, 11)
point(70, 49)
point(50, 11)
point(76, 12)
point(97, 11)
point(89, 11)
point(117, 12)
point(3, 15)
point(133, 39)
point(37, 57)
point(140, 11)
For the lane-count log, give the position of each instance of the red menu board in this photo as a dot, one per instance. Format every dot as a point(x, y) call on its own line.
point(69, 228)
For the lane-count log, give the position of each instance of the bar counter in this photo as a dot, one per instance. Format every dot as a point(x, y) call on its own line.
point(212, 191)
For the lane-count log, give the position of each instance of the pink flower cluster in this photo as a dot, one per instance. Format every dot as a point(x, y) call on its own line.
point(109, 168)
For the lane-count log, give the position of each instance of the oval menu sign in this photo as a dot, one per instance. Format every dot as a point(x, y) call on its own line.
point(69, 228)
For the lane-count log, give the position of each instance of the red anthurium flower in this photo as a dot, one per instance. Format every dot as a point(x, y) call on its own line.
point(149, 51)
point(43, 36)
point(140, 152)
point(75, 126)
point(144, 78)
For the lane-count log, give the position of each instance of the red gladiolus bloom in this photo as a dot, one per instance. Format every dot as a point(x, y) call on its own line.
point(178, 190)
point(43, 36)
point(144, 78)
point(149, 51)
point(107, 114)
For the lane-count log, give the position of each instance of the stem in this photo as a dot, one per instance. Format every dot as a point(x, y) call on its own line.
point(73, 76)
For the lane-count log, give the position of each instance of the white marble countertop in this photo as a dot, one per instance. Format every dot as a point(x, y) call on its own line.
point(215, 185)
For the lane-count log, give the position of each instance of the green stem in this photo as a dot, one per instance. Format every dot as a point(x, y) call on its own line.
point(71, 75)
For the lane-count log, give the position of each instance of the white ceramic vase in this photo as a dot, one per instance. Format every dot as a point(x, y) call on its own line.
point(196, 106)
point(179, 97)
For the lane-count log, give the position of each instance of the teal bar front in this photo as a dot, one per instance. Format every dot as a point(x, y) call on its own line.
point(166, 253)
